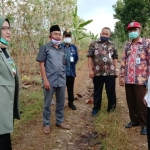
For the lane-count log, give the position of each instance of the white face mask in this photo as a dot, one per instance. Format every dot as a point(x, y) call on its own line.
point(55, 42)
point(67, 40)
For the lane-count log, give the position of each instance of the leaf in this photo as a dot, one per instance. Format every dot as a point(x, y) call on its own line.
point(85, 23)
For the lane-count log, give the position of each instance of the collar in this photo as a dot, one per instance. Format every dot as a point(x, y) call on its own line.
point(139, 41)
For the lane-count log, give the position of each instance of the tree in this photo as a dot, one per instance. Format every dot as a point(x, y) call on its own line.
point(31, 20)
point(92, 36)
point(78, 27)
point(132, 10)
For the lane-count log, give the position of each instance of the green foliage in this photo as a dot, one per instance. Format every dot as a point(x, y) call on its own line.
point(132, 10)
point(31, 20)
point(127, 11)
point(92, 36)
point(78, 27)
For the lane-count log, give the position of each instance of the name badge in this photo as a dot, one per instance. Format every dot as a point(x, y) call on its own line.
point(109, 55)
point(71, 59)
point(138, 60)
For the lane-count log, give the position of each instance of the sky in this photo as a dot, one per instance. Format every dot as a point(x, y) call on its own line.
point(100, 11)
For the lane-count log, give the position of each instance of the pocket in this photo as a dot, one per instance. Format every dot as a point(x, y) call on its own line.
point(64, 62)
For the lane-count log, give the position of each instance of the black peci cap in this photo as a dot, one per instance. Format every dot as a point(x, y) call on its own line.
point(54, 28)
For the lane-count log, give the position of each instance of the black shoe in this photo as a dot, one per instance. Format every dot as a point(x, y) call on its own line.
point(131, 124)
point(72, 106)
point(112, 109)
point(94, 112)
point(144, 131)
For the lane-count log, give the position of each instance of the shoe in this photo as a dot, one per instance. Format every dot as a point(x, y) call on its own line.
point(46, 129)
point(63, 126)
point(94, 112)
point(131, 124)
point(72, 106)
point(144, 131)
point(111, 110)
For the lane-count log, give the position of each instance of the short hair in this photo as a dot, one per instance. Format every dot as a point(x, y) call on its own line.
point(107, 28)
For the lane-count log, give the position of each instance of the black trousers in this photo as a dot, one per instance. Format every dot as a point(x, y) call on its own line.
point(148, 127)
point(5, 142)
point(110, 85)
point(70, 88)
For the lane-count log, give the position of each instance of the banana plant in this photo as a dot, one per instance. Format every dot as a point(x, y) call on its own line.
point(92, 36)
point(78, 27)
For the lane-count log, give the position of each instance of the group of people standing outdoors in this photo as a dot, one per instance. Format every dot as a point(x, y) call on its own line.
point(57, 63)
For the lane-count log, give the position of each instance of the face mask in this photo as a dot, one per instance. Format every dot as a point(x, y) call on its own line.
point(67, 40)
point(55, 42)
point(104, 39)
point(3, 41)
point(133, 35)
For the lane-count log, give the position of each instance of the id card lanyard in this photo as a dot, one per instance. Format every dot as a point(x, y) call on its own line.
point(138, 59)
point(71, 56)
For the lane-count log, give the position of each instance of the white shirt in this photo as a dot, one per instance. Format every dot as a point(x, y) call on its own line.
point(147, 96)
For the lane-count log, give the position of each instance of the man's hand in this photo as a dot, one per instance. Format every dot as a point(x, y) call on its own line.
point(117, 75)
point(91, 74)
point(121, 81)
point(46, 85)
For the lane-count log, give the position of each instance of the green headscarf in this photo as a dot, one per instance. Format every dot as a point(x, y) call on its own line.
point(2, 40)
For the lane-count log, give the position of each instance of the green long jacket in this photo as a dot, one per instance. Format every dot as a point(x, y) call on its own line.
point(9, 91)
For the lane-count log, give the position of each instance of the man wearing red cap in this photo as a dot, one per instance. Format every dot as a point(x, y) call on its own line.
point(134, 75)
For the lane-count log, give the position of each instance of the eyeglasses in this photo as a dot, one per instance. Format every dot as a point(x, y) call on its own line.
point(6, 28)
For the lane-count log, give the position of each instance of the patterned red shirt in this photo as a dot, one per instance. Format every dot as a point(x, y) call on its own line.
point(135, 65)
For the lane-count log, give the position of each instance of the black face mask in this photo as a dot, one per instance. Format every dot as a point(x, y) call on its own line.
point(104, 39)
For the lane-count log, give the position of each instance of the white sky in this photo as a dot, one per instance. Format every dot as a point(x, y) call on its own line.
point(100, 11)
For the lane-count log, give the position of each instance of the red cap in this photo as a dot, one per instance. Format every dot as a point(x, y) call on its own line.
point(133, 25)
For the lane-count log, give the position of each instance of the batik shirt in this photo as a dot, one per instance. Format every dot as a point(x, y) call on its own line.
point(102, 56)
point(135, 65)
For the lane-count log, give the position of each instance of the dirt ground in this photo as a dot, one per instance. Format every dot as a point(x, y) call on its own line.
point(80, 121)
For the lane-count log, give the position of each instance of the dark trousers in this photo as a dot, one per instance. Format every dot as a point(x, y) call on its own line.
point(137, 109)
point(70, 88)
point(5, 142)
point(110, 91)
point(148, 127)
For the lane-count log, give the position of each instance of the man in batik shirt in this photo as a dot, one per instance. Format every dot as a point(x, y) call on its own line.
point(102, 63)
point(134, 75)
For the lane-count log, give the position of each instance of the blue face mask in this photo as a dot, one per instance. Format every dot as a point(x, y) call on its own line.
point(133, 35)
point(3, 41)
point(104, 39)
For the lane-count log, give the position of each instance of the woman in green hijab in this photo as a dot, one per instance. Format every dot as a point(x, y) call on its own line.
point(9, 87)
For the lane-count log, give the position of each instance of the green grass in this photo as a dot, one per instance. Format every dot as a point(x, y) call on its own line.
point(31, 104)
point(110, 128)
point(109, 125)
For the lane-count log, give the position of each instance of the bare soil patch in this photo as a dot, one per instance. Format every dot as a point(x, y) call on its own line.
point(82, 135)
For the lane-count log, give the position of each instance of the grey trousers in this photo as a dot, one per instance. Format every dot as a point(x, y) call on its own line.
point(60, 100)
